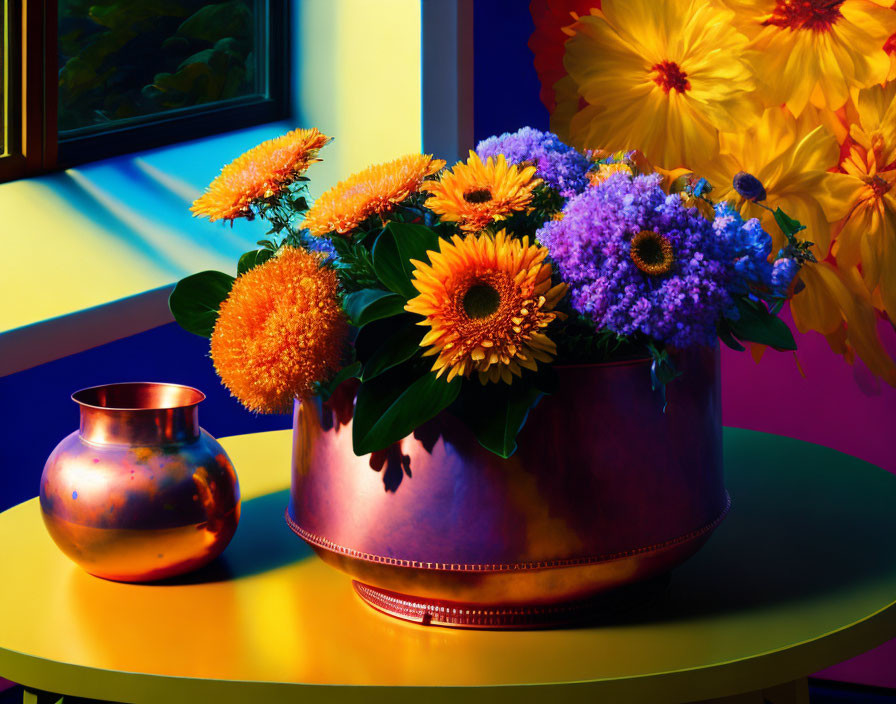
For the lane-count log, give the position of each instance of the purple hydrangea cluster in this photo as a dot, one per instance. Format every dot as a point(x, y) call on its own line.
point(591, 245)
point(559, 165)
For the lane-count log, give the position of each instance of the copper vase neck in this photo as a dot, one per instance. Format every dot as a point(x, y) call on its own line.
point(139, 413)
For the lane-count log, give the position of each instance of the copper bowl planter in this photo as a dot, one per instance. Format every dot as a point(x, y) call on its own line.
point(140, 492)
point(605, 490)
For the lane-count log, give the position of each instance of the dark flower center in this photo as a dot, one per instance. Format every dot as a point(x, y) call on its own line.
point(669, 76)
point(816, 15)
point(478, 195)
point(749, 187)
point(652, 252)
point(481, 300)
point(879, 186)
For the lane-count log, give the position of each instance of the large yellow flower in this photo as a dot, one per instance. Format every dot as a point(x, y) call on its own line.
point(476, 194)
point(486, 301)
point(661, 77)
point(815, 50)
point(261, 172)
point(280, 329)
point(375, 190)
point(791, 159)
point(864, 196)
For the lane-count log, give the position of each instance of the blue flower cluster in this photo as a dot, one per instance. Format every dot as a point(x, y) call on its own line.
point(559, 165)
point(711, 261)
point(751, 246)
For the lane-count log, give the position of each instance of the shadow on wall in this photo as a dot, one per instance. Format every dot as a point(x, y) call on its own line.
point(38, 413)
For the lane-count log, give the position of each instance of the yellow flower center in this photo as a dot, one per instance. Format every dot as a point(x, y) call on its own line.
point(652, 252)
point(478, 195)
point(669, 76)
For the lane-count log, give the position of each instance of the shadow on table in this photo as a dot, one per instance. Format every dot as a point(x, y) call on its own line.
point(263, 542)
point(813, 526)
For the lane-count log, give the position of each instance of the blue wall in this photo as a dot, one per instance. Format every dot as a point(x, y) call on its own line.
point(38, 413)
point(505, 85)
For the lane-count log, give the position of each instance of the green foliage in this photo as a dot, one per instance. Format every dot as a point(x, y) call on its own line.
point(252, 259)
point(390, 406)
point(354, 264)
point(195, 301)
point(325, 389)
point(393, 251)
point(756, 324)
point(798, 249)
point(497, 412)
point(121, 59)
point(371, 304)
point(388, 342)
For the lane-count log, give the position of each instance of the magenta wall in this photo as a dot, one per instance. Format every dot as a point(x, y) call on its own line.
point(834, 404)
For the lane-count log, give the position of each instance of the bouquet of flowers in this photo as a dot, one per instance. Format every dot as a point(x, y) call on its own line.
point(461, 289)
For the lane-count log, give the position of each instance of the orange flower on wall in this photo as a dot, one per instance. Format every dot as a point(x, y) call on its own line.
point(864, 200)
point(684, 82)
point(814, 50)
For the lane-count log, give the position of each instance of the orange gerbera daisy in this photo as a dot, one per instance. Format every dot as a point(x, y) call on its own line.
point(259, 173)
point(280, 330)
point(475, 194)
point(373, 191)
point(814, 51)
point(486, 301)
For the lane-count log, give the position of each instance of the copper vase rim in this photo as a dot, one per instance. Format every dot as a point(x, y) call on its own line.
point(147, 395)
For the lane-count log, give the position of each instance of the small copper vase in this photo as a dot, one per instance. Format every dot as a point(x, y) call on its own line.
point(612, 485)
point(140, 492)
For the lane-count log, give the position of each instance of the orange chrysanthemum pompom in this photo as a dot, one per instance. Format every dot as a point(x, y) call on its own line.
point(487, 301)
point(280, 330)
point(261, 172)
point(373, 191)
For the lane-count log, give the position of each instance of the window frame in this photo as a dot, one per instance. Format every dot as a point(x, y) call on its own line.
point(35, 122)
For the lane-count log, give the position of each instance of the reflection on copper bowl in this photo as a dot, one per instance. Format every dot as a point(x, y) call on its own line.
point(140, 492)
point(605, 490)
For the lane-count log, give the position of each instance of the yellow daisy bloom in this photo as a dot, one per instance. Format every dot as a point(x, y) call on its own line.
point(815, 50)
point(375, 190)
point(259, 173)
point(486, 301)
point(661, 77)
point(791, 159)
point(863, 198)
point(476, 194)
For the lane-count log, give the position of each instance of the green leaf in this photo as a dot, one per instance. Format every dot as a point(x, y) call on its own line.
point(497, 412)
point(371, 304)
point(393, 404)
point(788, 225)
point(389, 347)
point(326, 390)
point(724, 332)
point(393, 250)
point(756, 324)
point(252, 259)
point(195, 301)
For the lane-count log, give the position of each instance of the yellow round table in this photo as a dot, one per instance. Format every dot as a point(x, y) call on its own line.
point(801, 575)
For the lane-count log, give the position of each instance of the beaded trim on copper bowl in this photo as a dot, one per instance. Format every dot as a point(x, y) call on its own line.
point(326, 544)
